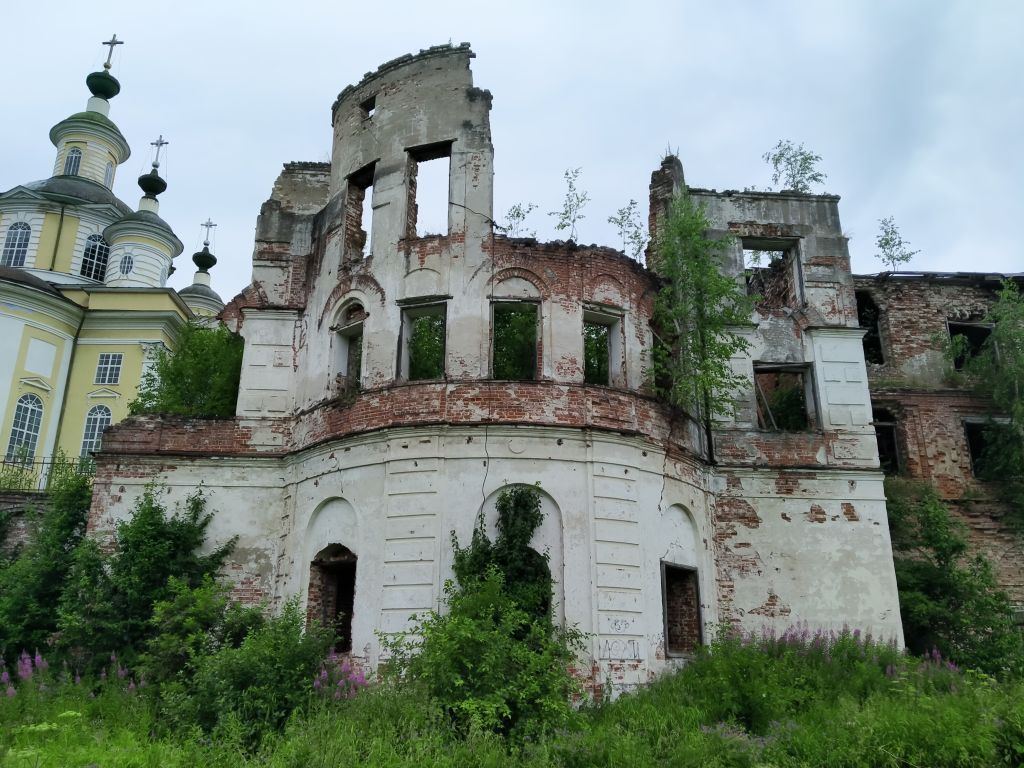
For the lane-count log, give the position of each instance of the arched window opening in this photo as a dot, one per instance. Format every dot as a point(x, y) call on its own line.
point(94, 260)
point(867, 318)
point(16, 244)
point(108, 176)
point(72, 162)
point(28, 416)
point(97, 420)
point(332, 592)
point(348, 358)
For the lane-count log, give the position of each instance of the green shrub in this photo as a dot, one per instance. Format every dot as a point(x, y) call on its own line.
point(31, 585)
point(254, 687)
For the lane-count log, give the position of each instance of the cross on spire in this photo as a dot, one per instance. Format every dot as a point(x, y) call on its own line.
point(111, 42)
point(160, 143)
point(209, 225)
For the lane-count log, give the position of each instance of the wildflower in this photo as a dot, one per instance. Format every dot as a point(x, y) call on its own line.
point(10, 691)
point(317, 685)
point(78, 678)
point(24, 666)
point(40, 662)
point(103, 674)
point(113, 658)
point(122, 672)
point(131, 687)
point(5, 677)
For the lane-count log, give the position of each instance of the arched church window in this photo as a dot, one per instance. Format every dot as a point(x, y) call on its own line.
point(16, 244)
point(97, 420)
point(94, 259)
point(28, 416)
point(108, 176)
point(72, 162)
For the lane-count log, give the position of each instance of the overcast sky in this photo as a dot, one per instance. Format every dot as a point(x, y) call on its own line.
point(917, 108)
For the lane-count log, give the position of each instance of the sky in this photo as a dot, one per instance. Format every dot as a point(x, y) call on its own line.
point(915, 106)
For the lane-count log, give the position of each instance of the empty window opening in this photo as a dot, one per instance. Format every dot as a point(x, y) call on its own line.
point(16, 245)
point(980, 445)
point(515, 341)
point(94, 258)
point(72, 162)
point(602, 348)
point(359, 214)
point(423, 342)
point(968, 340)
point(368, 107)
point(349, 356)
point(769, 270)
point(885, 433)
point(782, 399)
point(428, 184)
point(332, 593)
point(97, 420)
point(867, 318)
point(682, 609)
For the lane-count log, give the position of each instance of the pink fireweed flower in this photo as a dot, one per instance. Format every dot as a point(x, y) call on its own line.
point(78, 678)
point(24, 666)
point(122, 672)
point(10, 691)
point(5, 677)
point(103, 674)
point(131, 687)
point(317, 685)
point(40, 662)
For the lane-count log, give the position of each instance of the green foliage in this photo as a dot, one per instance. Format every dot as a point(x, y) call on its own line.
point(893, 250)
point(515, 341)
point(794, 166)
point(108, 602)
point(949, 600)
point(630, 227)
point(695, 313)
point(573, 204)
point(31, 585)
point(426, 347)
point(493, 661)
point(251, 689)
point(198, 378)
point(516, 219)
point(595, 353)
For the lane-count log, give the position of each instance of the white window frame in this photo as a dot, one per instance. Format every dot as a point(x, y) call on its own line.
point(108, 368)
point(25, 427)
point(97, 420)
point(612, 319)
point(16, 244)
point(72, 161)
point(94, 258)
point(108, 176)
point(409, 316)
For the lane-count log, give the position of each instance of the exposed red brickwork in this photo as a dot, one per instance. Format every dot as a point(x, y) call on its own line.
point(682, 611)
point(22, 512)
point(772, 608)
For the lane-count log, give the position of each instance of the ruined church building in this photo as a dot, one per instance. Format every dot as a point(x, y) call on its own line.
point(351, 458)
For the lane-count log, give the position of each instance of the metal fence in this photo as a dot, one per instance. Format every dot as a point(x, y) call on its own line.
point(40, 475)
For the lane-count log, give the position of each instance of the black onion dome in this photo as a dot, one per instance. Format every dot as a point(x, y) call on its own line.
point(204, 259)
point(152, 184)
point(103, 84)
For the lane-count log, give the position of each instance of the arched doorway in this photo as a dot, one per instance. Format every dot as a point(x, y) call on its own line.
point(332, 592)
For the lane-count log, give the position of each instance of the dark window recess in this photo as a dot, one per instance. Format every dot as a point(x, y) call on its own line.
point(885, 433)
point(781, 400)
point(968, 340)
point(332, 593)
point(369, 106)
point(979, 445)
point(359, 213)
point(769, 270)
point(428, 187)
point(349, 365)
point(515, 341)
point(682, 610)
point(596, 352)
point(867, 318)
point(426, 346)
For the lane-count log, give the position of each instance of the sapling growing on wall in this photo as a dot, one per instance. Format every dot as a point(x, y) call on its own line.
point(630, 227)
point(696, 312)
point(572, 204)
point(516, 220)
point(893, 250)
point(795, 167)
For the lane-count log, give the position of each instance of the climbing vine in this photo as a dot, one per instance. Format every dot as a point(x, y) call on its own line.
point(696, 313)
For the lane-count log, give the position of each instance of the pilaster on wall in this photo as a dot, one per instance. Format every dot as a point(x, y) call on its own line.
point(268, 363)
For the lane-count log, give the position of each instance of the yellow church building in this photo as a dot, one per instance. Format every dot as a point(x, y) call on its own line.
point(84, 301)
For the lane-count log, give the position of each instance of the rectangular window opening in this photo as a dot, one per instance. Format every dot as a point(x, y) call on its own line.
point(423, 343)
point(888, 448)
point(968, 338)
point(514, 341)
point(349, 360)
point(978, 446)
point(359, 214)
point(768, 268)
point(108, 371)
point(783, 397)
point(429, 190)
point(867, 318)
point(368, 107)
point(602, 348)
point(682, 610)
